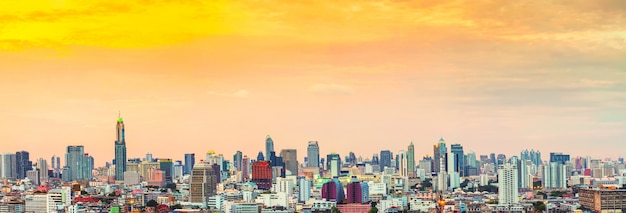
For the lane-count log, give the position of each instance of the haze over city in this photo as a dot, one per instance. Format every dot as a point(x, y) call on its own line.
point(192, 76)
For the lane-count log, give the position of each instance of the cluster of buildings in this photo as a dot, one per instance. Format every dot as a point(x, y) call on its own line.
point(451, 180)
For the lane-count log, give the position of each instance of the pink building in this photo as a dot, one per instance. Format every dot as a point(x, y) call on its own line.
point(353, 208)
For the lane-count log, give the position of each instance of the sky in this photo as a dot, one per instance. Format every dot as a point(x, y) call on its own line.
point(192, 76)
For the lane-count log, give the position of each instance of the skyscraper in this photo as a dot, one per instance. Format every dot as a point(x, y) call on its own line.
point(290, 157)
point(304, 189)
point(440, 156)
point(120, 150)
point(237, 158)
point(167, 166)
point(459, 158)
point(313, 154)
point(410, 157)
point(269, 146)
point(262, 174)
point(77, 164)
point(23, 164)
point(8, 164)
point(334, 164)
point(385, 159)
point(190, 161)
point(507, 184)
point(202, 184)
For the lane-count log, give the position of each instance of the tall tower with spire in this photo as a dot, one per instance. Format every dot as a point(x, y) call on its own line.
point(120, 150)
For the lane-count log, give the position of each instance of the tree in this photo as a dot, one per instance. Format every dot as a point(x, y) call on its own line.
point(176, 206)
point(427, 184)
point(334, 210)
point(539, 206)
point(464, 184)
point(152, 203)
point(373, 210)
point(171, 186)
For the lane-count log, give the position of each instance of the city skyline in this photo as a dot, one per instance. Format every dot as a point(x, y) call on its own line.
point(201, 76)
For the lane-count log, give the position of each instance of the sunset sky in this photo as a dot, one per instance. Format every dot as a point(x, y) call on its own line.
point(191, 76)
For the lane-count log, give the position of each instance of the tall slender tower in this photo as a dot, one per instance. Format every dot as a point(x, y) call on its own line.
point(120, 150)
point(269, 147)
point(410, 157)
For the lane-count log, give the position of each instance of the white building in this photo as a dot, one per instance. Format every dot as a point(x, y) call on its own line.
point(508, 184)
point(283, 185)
point(271, 200)
point(304, 189)
point(38, 203)
point(377, 188)
point(383, 205)
point(244, 208)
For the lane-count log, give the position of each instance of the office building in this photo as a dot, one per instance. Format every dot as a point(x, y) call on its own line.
point(78, 164)
point(603, 200)
point(426, 165)
point(237, 158)
point(8, 164)
point(167, 166)
point(290, 157)
point(313, 154)
point(190, 161)
point(23, 164)
point(440, 156)
point(42, 166)
point(262, 174)
point(354, 194)
point(507, 184)
point(304, 189)
point(202, 183)
point(120, 150)
point(333, 191)
point(269, 147)
point(410, 158)
point(335, 165)
point(385, 159)
point(459, 159)
point(557, 157)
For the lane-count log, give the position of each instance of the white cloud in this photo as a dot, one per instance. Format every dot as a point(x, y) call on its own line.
point(332, 89)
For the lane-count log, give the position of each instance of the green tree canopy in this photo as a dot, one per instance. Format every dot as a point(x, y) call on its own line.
point(152, 203)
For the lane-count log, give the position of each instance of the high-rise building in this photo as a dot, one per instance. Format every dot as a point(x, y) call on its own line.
point(8, 164)
point(167, 166)
point(269, 146)
point(245, 168)
point(501, 159)
point(508, 184)
point(190, 161)
point(410, 157)
point(202, 184)
point(290, 157)
point(77, 164)
point(335, 165)
point(42, 166)
point(385, 159)
point(440, 156)
point(333, 191)
point(555, 176)
point(354, 194)
point(559, 157)
point(401, 162)
point(237, 157)
point(120, 150)
point(23, 164)
point(304, 189)
point(426, 165)
point(313, 154)
point(262, 174)
point(459, 157)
